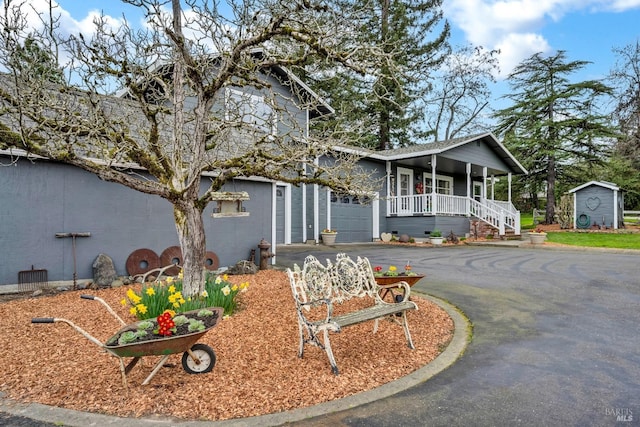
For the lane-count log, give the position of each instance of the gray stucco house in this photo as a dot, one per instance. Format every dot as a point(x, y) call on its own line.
point(443, 185)
point(598, 203)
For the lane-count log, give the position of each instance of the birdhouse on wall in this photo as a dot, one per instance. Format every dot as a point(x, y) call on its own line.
point(229, 204)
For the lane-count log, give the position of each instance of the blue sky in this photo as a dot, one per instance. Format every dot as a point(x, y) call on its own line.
point(586, 29)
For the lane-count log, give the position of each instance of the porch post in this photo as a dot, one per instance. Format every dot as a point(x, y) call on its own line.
point(484, 182)
point(509, 176)
point(434, 205)
point(469, 180)
point(493, 186)
point(316, 210)
point(389, 192)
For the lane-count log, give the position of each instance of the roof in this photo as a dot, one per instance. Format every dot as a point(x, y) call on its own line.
point(440, 147)
point(605, 184)
point(319, 106)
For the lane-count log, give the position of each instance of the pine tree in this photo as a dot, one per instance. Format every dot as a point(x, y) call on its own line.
point(553, 123)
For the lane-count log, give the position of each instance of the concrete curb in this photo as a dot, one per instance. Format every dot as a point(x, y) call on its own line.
point(68, 417)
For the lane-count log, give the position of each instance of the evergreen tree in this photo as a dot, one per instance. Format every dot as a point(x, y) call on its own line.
point(382, 105)
point(553, 123)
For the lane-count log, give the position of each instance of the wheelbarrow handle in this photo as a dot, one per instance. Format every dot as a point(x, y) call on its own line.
point(109, 309)
point(42, 320)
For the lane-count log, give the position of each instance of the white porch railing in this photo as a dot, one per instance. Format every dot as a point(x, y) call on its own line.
point(499, 214)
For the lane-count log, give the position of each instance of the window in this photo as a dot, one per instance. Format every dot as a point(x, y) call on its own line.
point(444, 184)
point(252, 109)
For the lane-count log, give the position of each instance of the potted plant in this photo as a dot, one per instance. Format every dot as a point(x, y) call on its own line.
point(435, 237)
point(329, 236)
point(393, 275)
point(537, 237)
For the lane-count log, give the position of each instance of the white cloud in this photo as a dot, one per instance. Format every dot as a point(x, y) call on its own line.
point(515, 47)
point(515, 26)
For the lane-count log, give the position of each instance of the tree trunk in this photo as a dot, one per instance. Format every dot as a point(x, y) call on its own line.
point(551, 189)
point(192, 239)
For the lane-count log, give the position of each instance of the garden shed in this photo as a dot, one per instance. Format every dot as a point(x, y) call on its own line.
point(598, 204)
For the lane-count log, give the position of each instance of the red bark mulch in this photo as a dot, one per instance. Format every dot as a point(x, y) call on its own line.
point(257, 370)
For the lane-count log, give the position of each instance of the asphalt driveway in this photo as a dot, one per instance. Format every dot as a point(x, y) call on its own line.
point(555, 341)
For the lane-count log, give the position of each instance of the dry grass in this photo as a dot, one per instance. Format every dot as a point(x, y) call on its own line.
point(257, 371)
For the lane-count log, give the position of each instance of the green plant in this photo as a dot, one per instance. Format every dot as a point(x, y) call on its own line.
point(435, 233)
point(157, 297)
point(393, 271)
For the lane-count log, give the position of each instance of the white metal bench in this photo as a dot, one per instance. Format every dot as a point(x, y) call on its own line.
point(316, 285)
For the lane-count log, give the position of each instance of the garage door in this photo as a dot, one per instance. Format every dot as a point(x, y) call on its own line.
point(352, 219)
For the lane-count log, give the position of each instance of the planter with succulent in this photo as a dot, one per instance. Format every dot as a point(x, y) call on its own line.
point(435, 237)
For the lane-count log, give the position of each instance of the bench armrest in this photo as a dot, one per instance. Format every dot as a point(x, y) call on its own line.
point(401, 284)
point(310, 304)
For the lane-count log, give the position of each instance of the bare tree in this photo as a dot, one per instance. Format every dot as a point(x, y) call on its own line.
point(197, 98)
point(461, 93)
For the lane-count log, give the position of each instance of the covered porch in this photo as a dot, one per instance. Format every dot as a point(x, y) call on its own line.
point(453, 178)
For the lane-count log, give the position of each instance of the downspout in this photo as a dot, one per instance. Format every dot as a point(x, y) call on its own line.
point(509, 176)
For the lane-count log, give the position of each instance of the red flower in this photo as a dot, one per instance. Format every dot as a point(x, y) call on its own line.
point(377, 268)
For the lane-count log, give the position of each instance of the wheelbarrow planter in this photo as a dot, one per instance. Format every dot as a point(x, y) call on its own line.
point(197, 358)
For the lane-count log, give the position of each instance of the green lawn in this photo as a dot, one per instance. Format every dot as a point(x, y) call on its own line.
point(597, 240)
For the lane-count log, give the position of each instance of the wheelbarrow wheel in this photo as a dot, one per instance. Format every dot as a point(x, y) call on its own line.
point(206, 356)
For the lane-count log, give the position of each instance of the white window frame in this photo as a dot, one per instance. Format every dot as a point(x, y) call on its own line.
point(425, 182)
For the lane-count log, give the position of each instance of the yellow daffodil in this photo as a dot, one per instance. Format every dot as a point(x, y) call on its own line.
point(244, 286)
point(172, 289)
point(150, 291)
point(225, 277)
point(123, 301)
point(176, 304)
point(226, 290)
point(133, 296)
point(204, 294)
point(169, 279)
point(234, 288)
point(218, 280)
point(142, 309)
point(133, 310)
